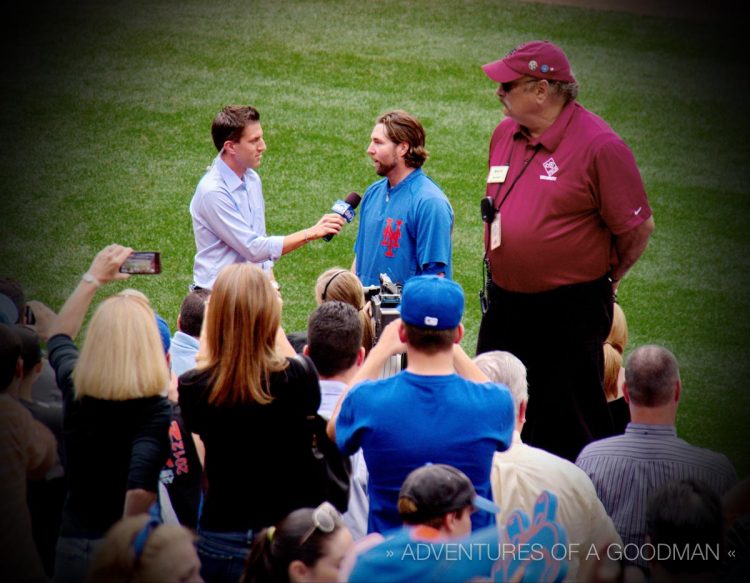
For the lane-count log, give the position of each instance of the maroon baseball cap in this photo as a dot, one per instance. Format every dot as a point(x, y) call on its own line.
point(537, 58)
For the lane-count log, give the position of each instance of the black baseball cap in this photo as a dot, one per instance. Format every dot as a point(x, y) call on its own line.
point(436, 489)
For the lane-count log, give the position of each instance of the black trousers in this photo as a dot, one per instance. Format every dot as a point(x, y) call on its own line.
point(559, 336)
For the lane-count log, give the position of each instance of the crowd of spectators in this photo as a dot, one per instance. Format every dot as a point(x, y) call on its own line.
point(147, 454)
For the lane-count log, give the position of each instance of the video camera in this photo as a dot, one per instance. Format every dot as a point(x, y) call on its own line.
point(384, 300)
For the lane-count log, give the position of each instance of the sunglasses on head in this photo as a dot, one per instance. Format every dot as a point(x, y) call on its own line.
point(325, 518)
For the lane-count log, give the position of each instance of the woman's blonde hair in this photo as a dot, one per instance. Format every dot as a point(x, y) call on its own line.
point(239, 340)
point(614, 349)
point(122, 356)
point(115, 562)
point(342, 285)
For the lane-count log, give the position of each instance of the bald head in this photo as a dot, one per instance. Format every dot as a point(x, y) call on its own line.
point(651, 376)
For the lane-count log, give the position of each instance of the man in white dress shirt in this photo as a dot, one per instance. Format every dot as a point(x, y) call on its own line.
point(228, 210)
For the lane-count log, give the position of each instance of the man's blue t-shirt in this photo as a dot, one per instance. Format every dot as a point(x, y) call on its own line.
point(408, 420)
point(404, 231)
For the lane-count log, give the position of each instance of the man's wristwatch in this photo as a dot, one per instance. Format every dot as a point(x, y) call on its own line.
point(88, 278)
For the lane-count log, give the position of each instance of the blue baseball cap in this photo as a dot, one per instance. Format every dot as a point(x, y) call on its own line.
point(432, 302)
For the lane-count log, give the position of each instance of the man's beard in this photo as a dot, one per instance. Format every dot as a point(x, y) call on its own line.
point(383, 168)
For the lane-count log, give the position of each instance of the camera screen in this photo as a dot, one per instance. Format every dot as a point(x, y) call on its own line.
point(147, 263)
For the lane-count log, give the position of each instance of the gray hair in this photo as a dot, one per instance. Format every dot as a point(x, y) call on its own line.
point(503, 367)
point(651, 375)
point(568, 91)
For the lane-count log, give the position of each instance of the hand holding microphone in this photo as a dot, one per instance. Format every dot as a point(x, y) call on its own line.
point(346, 209)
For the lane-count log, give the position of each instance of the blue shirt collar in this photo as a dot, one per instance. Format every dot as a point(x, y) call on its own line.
point(232, 181)
point(410, 178)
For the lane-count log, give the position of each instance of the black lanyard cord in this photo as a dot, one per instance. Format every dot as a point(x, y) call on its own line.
point(526, 164)
point(518, 176)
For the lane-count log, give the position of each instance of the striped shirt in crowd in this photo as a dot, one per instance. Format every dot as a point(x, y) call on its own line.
point(627, 469)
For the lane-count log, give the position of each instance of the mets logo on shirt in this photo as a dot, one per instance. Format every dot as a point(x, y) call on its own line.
point(550, 166)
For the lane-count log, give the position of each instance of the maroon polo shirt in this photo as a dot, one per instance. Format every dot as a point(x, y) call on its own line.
point(580, 187)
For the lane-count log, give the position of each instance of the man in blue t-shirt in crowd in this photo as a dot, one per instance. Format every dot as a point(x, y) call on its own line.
point(440, 409)
point(406, 221)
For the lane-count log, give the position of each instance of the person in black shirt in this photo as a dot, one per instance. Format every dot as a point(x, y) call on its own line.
point(249, 402)
point(115, 419)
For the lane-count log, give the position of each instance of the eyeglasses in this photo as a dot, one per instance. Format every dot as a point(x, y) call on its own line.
point(324, 517)
point(511, 85)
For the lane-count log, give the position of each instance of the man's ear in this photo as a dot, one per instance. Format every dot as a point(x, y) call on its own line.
point(360, 356)
point(542, 90)
point(402, 332)
point(306, 350)
point(402, 149)
point(625, 393)
point(459, 334)
point(298, 571)
point(522, 411)
point(449, 521)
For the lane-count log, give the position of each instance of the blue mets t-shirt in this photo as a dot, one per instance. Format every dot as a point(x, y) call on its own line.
point(408, 420)
point(404, 231)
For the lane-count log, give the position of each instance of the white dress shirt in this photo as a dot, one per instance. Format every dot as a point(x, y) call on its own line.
point(229, 223)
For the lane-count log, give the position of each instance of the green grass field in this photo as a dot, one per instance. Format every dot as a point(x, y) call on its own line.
point(106, 110)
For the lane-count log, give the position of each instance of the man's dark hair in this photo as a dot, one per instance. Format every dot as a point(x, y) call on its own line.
point(334, 337)
point(14, 290)
point(686, 515)
point(651, 375)
point(429, 341)
point(192, 311)
point(10, 351)
point(31, 349)
point(230, 122)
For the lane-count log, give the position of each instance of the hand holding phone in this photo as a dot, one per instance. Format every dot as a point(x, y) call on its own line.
point(142, 263)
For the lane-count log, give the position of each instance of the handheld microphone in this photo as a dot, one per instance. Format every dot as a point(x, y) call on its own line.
point(345, 208)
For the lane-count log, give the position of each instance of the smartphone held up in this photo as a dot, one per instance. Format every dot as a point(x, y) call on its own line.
point(142, 263)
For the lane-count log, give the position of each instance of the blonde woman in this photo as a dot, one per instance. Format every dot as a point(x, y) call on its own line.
point(116, 420)
point(249, 404)
point(138, 549)
point(614, 372)
point(343, 286)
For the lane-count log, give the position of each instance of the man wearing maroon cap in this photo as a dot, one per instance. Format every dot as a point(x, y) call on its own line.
point(566, 217)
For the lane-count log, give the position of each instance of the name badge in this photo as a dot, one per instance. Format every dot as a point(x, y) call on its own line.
point(495, 233)
point(497, 174)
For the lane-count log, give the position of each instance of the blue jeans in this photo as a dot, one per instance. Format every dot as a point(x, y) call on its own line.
point(223, 555)
point(73, 558)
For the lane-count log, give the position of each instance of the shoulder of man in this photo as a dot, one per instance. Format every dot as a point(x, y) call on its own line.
point(601, 448)
point(375, 186)
point(712, 461)
point(425, 187)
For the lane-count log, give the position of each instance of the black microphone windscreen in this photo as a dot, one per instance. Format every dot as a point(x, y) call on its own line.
point(353, 199)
